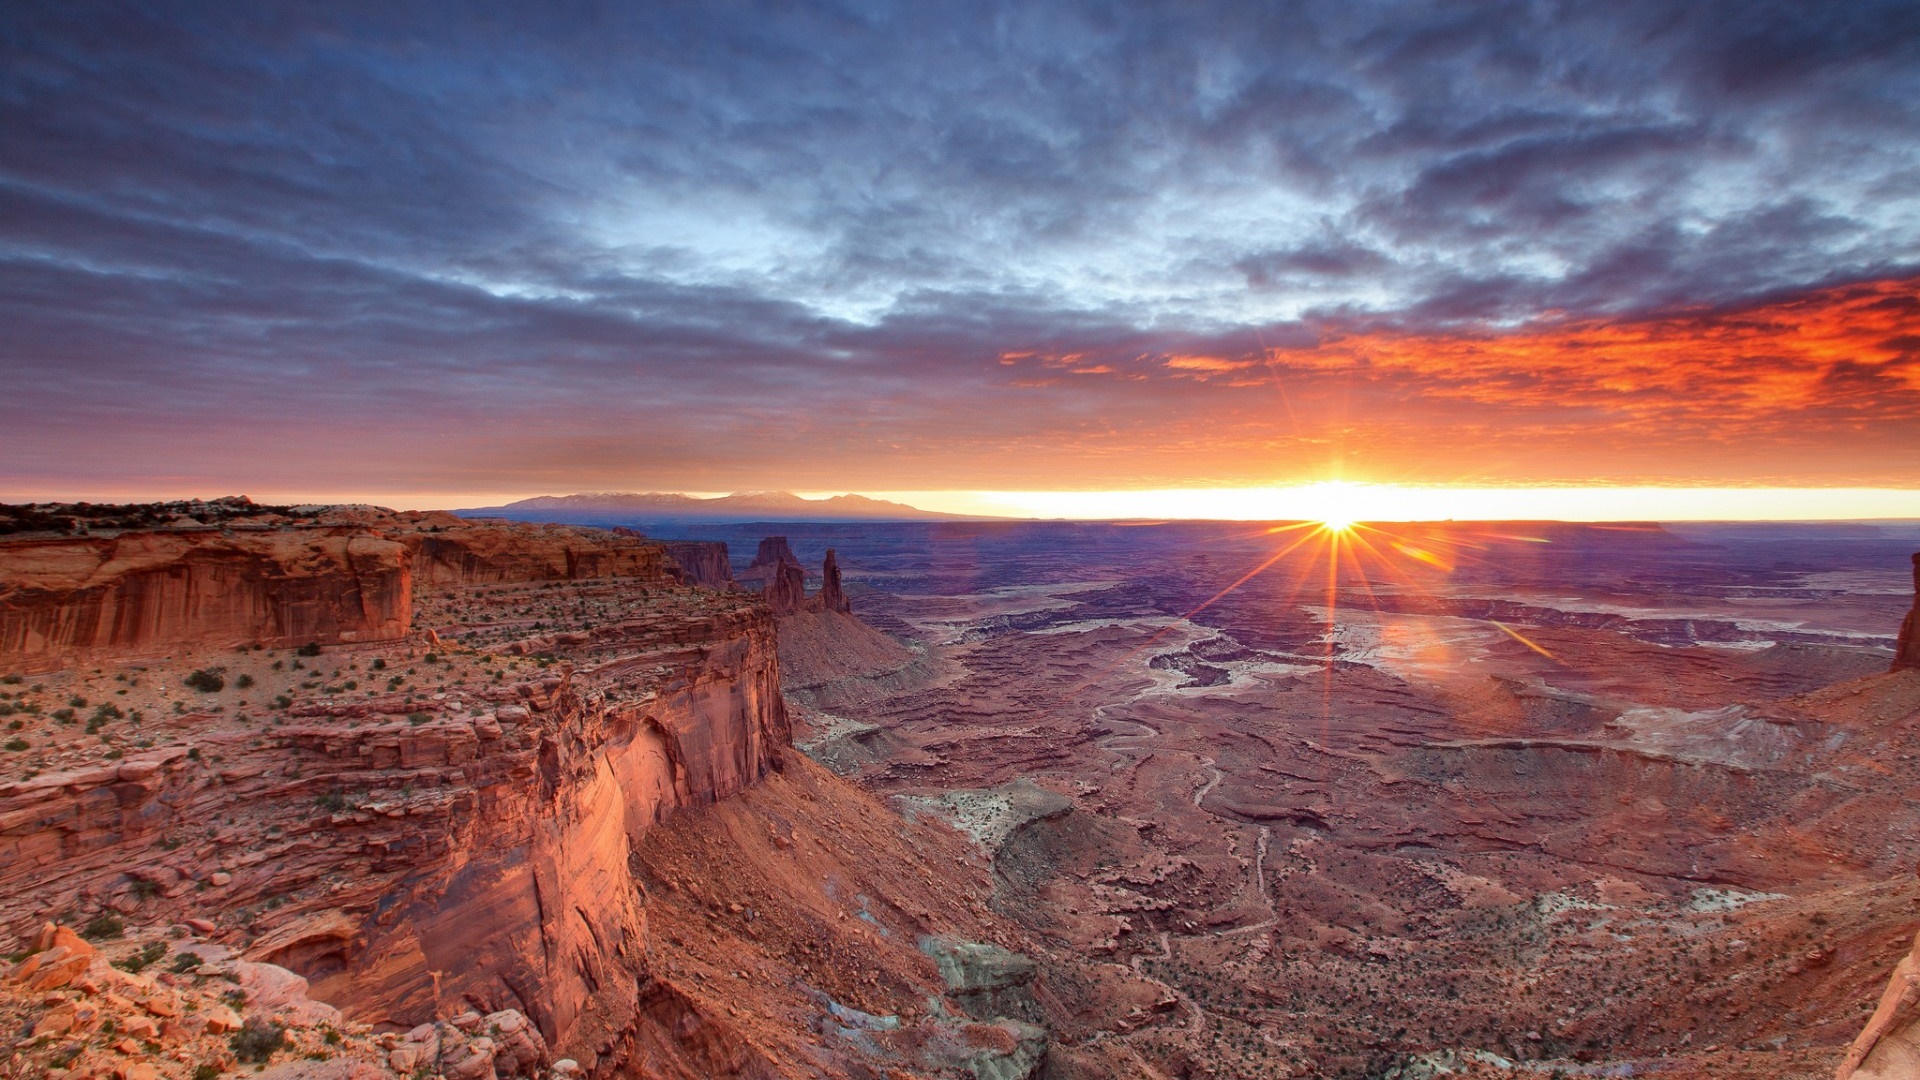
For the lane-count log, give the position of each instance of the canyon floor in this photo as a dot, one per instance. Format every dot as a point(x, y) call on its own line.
point(1534, 798)
point(1069, 802)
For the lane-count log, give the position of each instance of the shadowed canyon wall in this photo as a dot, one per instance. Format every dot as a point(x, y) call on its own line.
point(410, 853)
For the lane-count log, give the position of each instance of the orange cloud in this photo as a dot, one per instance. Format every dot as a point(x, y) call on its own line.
point(1838, 355)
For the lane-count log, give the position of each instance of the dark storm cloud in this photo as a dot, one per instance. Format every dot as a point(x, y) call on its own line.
point(637, 230)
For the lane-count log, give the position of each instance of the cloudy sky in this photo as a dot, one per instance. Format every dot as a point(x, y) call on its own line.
point(426, 250)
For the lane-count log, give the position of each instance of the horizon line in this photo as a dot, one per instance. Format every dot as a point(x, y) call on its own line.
point(1318, 500)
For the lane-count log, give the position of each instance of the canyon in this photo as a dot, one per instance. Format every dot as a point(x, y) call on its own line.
point(464, 805)
point(978, 799)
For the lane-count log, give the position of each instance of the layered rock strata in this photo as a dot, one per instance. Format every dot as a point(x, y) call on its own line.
point(773, 551)
point(329, 577)
point(1906, 652)
point(412, 856)
point(457, 839)
point(151, 590)
point(783, 581)
point(703, 562)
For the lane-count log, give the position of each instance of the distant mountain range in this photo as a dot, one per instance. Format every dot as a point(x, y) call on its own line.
point(598, 507)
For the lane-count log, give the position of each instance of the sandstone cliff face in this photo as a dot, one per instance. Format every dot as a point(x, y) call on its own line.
point(463, 842)
point(474, 853)
point(1906, 653)
point(346, 576)
point(704, 562)
point(773, 551)
point(786, 590)
point(147, 591)
point(498, 552)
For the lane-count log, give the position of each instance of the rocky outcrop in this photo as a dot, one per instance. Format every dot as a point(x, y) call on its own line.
point(1888, 1048)
point(145, 591)
point(152, 1003)
point(330, 577)
point(786, 590)
point(498, 552)
point(783, 581)
point(702, 562)
point(832, 596)
point(773, 551)
point(477, 849)
point(1906, 652)
point(414, 852)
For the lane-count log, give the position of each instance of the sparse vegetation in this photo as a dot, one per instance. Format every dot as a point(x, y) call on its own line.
point(207, 682)
point(145, 958)
point(256, 1042)
point(103, 927)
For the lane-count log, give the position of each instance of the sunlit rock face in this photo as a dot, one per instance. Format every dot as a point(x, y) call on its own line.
point(1906, 652)
point(381, 808)
point(147, 590)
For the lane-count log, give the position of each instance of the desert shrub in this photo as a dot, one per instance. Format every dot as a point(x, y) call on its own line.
point(311, 648)
point(103, 927)
point(377, 665)
point(207, 682)
point(257, 1041)
point(418, 718)
point(17, 743)
point(140, 961)
point(332, 801)
point(243, 681)
point(185, 962)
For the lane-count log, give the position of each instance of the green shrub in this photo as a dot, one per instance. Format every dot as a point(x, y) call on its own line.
point(207, 682)
point(257, 1041)
point(418, 718)
point(16, 743)
point(140, 961)
point(103, 927)
point(185, 962)
point(243, 681)
point(311, 648)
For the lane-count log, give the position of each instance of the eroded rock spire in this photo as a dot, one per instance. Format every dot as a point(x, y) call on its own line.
point(1906, 652)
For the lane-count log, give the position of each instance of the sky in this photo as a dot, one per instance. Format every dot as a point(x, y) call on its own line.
point(448, 254)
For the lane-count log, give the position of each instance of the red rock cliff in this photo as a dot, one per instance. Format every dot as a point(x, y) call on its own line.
point(832, 597)
point(474, 852)
point(499, 552)
point(704, 562)
point(465, 841)
point(149, 590)
point(1906, 652)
